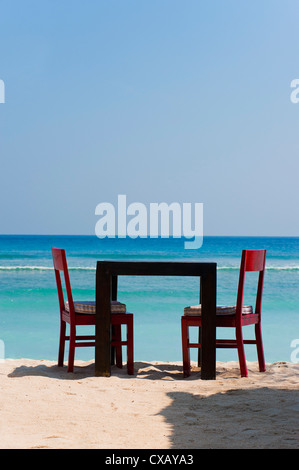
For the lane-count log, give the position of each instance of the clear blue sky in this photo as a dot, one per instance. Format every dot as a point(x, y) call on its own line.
point(161, 100)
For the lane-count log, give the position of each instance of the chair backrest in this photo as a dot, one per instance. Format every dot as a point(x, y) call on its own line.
point(60, 264)
point(252, 260)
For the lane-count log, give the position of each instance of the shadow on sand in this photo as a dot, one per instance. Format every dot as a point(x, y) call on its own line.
point(236, 419)
point(244, 418)
point(143, 370)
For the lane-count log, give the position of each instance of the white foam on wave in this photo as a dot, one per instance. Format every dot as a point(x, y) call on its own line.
point(93, 268)
point(43, 268)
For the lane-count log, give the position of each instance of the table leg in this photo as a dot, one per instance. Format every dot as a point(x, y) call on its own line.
point(114, 288)
point(199, 329)
point(208, 329)
point(114, 297)
point(102, 341)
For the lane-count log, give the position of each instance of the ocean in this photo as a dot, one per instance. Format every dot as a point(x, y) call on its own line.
point(29, 315)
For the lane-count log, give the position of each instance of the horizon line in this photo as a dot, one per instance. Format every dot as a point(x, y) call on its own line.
point(153, 238)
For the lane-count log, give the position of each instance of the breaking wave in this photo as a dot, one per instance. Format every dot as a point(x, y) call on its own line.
point(93, 268)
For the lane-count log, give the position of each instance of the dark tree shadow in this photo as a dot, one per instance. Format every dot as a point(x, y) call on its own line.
point(238, 418)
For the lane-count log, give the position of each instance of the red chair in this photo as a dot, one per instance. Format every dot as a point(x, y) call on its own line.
point(236, 317)
point(83, 313)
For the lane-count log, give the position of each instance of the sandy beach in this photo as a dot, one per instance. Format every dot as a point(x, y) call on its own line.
point(42, 406)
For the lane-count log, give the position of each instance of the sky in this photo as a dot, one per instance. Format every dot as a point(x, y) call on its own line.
point(158, 100)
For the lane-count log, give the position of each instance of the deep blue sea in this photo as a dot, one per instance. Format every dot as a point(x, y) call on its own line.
point(29, 316)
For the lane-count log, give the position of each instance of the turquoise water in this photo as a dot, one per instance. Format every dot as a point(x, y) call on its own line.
point(29, 317)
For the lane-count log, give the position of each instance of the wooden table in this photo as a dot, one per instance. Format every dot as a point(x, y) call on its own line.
point(106, 290)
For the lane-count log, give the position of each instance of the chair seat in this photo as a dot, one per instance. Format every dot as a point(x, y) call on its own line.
point(220, 310)
point(89, 307)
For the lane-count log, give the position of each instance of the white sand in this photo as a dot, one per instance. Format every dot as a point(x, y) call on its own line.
point(42, 406)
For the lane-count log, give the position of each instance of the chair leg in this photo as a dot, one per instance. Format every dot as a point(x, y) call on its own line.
point(112, 348)
point(61, 343)
point(259, 347)
point(185, 348)
point(241, 352)
point(130, 346)
point(72, 349)
point(199, 349)
point(118, 347)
